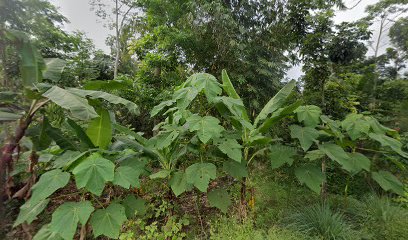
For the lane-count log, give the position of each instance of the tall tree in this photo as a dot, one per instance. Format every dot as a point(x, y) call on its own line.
point(118, 14)
point(252, 39)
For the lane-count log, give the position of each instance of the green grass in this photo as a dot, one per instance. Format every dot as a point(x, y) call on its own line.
point(320, 221)
point(231, 229)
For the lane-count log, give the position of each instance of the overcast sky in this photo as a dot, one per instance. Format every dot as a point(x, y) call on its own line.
point(82, 18)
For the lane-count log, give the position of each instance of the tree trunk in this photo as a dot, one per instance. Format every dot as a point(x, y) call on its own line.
point(6, 160)
point(3, 62)
point(323, 192)
point(115, 71)
point(243, 203)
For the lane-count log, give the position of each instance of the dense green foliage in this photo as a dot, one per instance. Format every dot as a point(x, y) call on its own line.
point(188, 129)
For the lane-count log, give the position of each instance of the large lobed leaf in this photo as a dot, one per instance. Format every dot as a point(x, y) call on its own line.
point(206, 127)
point(207, 83)
point(220, 199)
point(200, 174)
point(280, 154)
point(387, 181)
point(49, 182)
point(356, 125)
point(30, 210)
point(231, 147)
point(67, 216)
point(309, 115)
point(179, 184)
point(93, 173)
point(108, 221)
point(311, 176)
point(306, 135)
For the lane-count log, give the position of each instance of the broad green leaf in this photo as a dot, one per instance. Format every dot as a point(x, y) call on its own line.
point(113, 99)
point(235, 169)
point(258, 140)
point(381, 129)
point(200, 174)
point(227, 85)
point(276, 102)
point(311, 176)
point(29, 211)
point(185, 96)
point(165, 139)
point(206, 127)
point(386, 141)
point(206, 82)
point(306, 135)
point(108, 221)
point(355, 125)
point(67, 158)
point(53, 69)
point(38, 135)
point(278, 115)
point(359, 162)
point(220, 199)
point(279, 155)
point(138, 136)
point(179, 184)
point(333, 126)
point(45, 233)
point(387, 181)
point(60, 138)
point(234, 106)
point(77, 105)
point(93, 173)
point(126, 177)
point(31, 64)
point(230, 90)
point(49, 182)
point(134, 145)
point(158, 108)
point(100, 130)
point(336, 153)
point(8, 116)
point(128, 173)
point(66, 217)
point(309, 115)
point(230, 147)
point(160, 174)
point(80, 133)
point(134, 206)
point(315, 155)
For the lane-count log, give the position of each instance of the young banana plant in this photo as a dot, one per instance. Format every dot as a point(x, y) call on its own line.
point(238, 138)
